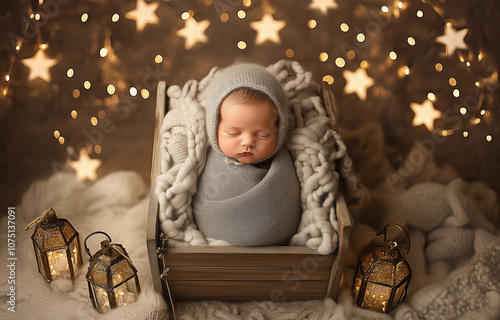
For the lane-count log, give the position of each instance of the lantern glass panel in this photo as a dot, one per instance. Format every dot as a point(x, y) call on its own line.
point(382, 272)
point(121, 272)
point(68, 232)
point(401, 272)
point(126, 293)
point(357, 282)
point(376, 297)
point(58, 264)
point(400, 293)
point(74, 250)
point(40, 262)
point(101, 299)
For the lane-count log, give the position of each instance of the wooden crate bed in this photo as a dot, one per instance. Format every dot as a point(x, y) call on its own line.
point(278, 273)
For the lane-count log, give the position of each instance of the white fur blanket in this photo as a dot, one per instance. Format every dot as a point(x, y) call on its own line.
point(455, 255)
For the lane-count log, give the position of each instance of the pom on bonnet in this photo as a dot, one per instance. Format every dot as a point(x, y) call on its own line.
point(251, 76)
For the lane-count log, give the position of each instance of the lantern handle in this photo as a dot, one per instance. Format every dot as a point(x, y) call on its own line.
point(384, 231)
point(87, 250)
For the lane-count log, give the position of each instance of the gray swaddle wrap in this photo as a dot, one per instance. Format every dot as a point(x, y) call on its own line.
point(248, 205)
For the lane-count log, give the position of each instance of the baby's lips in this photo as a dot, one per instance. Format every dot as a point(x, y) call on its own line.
point(246, 154)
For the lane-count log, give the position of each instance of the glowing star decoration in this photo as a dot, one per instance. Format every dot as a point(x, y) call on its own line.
point(143, 14)
point(39, 66)
point(267, 29)
point(357, 82)
point(323, 5)
point(425, 114)
point(194, 32)
point(85, 167)
point(453, 39)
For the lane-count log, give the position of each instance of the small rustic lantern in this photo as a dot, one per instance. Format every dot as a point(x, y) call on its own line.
point(112, 278)
point(57, 246)
point(383, 276)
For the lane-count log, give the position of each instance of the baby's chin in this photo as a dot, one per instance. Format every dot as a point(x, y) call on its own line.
point(247, 161)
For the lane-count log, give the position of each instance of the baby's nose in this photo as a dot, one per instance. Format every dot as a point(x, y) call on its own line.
point(248, 140)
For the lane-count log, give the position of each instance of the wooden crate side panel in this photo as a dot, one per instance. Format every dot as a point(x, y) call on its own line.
point(345, 226)
point(152, 224)
point(290, 274)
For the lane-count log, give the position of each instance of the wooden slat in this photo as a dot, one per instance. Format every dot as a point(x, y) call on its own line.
point(245, 259)
point(152, 227)
point(276, 297)
point(279, 250)
point(345, 226)
point(291, 273)
point(247, 287)
point(343, 217)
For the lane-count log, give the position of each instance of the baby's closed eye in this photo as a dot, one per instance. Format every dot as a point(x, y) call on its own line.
point(264, 136)
point(232, 133)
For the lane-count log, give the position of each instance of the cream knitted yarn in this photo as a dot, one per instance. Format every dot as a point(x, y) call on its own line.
point(470, 292)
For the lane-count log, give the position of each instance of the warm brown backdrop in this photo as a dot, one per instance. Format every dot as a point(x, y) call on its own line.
point(32, 110)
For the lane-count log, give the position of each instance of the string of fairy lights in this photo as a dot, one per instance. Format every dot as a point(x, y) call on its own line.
point(268, 30)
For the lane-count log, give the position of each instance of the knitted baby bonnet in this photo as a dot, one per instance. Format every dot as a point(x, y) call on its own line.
point(251, 76)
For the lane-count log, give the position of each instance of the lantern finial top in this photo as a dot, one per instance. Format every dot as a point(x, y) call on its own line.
point(48, 215)
point(390, 244)
point(107, 247)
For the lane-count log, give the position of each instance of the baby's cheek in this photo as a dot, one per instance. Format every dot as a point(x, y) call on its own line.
point(269, 146)
point(227, 146)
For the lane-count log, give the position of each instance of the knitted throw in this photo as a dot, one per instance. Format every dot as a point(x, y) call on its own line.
point(312, 143)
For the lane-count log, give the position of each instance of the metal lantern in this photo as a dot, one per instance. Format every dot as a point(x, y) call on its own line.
point(112, 278)
point(383, 276)
point(57, 246)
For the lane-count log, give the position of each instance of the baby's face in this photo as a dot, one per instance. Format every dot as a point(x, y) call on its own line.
point(247, 132)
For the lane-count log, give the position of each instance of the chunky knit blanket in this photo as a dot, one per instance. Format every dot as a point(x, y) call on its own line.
point(313, 145)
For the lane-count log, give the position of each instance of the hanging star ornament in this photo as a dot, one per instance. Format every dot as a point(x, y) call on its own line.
point(39, 66)
point(85, 167)
point(143, 14)
point(267, 29)
point(425, 114)
point(357, 82)
point(453, 39)
point(323, 5)
point(194, 32)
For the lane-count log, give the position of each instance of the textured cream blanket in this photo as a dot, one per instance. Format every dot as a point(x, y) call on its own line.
point(455, 255)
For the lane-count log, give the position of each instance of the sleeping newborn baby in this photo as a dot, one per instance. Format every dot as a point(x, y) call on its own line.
point(248, 193)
